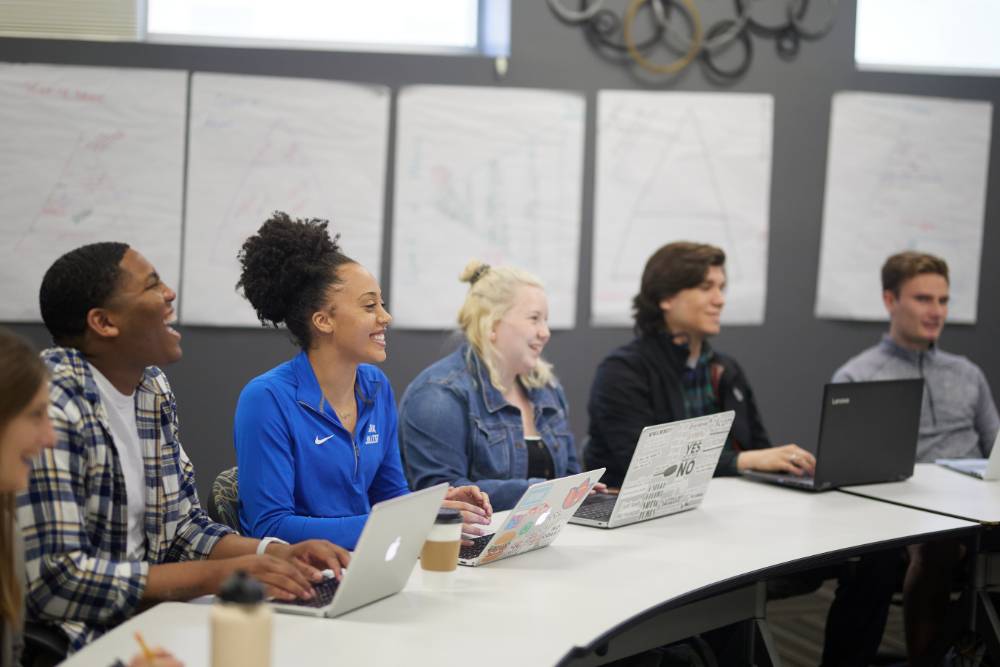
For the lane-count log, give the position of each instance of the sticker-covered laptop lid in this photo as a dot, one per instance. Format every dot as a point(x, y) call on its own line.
point(539, 515)
point(671, 467)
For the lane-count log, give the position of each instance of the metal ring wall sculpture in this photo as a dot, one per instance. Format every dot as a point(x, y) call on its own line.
point(677, 25)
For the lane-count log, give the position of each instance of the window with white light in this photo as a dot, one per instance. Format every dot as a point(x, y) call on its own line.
point(933, 36)
point(384, 25)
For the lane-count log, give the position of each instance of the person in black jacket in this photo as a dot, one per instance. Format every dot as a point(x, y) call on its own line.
point(670, 372)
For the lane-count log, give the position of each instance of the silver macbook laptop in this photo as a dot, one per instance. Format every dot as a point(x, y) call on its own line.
point(383, 560)
point(669, 473)
point(867, 434)
point(988, 469)
point(535, 521)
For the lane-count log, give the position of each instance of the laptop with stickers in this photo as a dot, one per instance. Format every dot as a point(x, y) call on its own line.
point(669, 473)
point(535, 521)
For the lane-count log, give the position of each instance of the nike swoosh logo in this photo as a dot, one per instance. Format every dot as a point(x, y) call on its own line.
point(320, 441)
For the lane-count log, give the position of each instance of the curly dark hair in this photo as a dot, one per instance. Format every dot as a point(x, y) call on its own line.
point(672, 268)
point(287, 267)
point(78, 281)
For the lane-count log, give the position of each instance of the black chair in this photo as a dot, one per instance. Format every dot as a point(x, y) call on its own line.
point(224, 504)
point(44, 645)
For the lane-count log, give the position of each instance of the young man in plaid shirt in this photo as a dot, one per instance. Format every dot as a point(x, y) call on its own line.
point(111, 519)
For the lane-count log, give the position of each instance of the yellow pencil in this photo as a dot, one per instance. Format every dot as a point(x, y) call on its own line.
point(146, 652)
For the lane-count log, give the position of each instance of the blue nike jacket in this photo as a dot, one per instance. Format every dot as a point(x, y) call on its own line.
point(302, 475)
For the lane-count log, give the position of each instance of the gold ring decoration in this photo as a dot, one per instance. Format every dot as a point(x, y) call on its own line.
point(668, 68)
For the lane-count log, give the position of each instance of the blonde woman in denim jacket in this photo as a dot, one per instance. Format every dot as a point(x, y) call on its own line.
point(491, 413)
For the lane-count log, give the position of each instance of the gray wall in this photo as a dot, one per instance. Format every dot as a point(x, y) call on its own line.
point(787, 359)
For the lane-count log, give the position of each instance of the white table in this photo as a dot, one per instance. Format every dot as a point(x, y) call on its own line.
point(936, 489)
point(588, 590)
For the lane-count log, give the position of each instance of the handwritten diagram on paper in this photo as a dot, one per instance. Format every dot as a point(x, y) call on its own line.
point(671, 469)
point(310, 148)
point(89, 154)
point(681, 167)
point(485, 173)
point(903, 173)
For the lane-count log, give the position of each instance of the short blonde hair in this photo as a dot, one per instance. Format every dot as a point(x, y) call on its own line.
point(492, 290)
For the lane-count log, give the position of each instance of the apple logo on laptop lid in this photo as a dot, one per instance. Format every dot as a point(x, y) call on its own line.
point(393, 549)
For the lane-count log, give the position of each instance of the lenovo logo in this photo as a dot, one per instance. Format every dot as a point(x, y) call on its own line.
point(840, 401)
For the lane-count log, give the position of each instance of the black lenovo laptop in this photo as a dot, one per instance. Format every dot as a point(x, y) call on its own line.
point(867, 434)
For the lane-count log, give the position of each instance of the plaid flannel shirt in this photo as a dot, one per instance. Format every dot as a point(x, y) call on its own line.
point(699, 393)
point(74, 513)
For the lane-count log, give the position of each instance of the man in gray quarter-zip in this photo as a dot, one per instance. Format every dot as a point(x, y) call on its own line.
point(958, 419)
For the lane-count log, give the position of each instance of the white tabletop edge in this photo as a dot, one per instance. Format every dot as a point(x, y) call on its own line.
point(933, 488)
point(570, 594)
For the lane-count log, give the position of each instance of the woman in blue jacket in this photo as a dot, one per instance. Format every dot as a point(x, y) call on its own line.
point(491, 413)
point(316, 436)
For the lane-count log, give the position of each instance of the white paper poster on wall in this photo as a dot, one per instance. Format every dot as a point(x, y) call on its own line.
point(903, 173)
point(310, 148)
point(88, 154)
point(681, 167)
point(487, 173)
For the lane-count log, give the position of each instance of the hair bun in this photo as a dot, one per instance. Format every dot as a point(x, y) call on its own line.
point(473, 271)
point(280, 260)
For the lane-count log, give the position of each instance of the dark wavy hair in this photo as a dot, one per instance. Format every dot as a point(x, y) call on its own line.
point(76, 282)
point(287, 267)
point(672, 268)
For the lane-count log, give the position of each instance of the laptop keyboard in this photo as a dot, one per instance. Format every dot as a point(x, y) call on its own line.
point(597, 507)
point(473, 550)
point(785, 478)
point(324, 595)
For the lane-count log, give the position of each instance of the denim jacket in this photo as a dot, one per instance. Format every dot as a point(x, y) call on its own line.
point(456, 427)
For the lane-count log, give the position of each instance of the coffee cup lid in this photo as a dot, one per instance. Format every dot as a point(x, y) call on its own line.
point(446, 515)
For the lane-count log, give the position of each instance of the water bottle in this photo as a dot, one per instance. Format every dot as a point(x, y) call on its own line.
point(241, 624)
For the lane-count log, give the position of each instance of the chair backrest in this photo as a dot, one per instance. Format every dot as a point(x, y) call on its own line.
point(224, 505)
point(44, 645)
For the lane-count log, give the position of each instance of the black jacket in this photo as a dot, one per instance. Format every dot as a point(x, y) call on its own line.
point(639, 385)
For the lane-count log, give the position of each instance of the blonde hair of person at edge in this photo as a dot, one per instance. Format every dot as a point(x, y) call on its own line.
point(491, 413)
point(25, 430)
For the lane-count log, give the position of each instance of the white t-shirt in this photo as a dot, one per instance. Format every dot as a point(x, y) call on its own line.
point(125, 434)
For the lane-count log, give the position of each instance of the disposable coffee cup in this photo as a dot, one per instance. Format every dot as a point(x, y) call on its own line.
point(440, 552)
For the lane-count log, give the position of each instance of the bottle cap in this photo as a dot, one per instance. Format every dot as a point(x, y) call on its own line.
point(241, 588)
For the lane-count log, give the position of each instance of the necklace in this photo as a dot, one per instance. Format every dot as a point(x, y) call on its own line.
point(344, 415)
